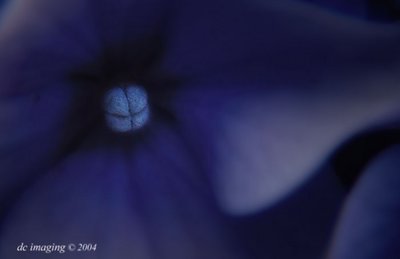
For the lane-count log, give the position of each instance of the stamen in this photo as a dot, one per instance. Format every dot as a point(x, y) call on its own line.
point(126, 108)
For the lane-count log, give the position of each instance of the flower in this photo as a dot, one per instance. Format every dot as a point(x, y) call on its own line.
point(249, 99)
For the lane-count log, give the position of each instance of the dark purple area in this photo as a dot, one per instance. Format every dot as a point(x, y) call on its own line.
point(302, 225)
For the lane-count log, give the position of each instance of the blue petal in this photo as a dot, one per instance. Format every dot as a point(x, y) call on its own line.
point(150, 200)
point(369, 226)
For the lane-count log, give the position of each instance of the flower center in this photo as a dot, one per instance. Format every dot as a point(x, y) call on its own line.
point(126, 108)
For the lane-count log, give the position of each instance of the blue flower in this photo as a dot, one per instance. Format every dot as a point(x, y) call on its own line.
point(249, 101)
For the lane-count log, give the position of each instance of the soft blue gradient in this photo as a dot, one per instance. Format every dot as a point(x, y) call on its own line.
point(251, 103)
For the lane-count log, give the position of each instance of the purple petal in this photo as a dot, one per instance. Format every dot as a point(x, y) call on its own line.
point(369, 226)
point(150, 200)
point(274, 89)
